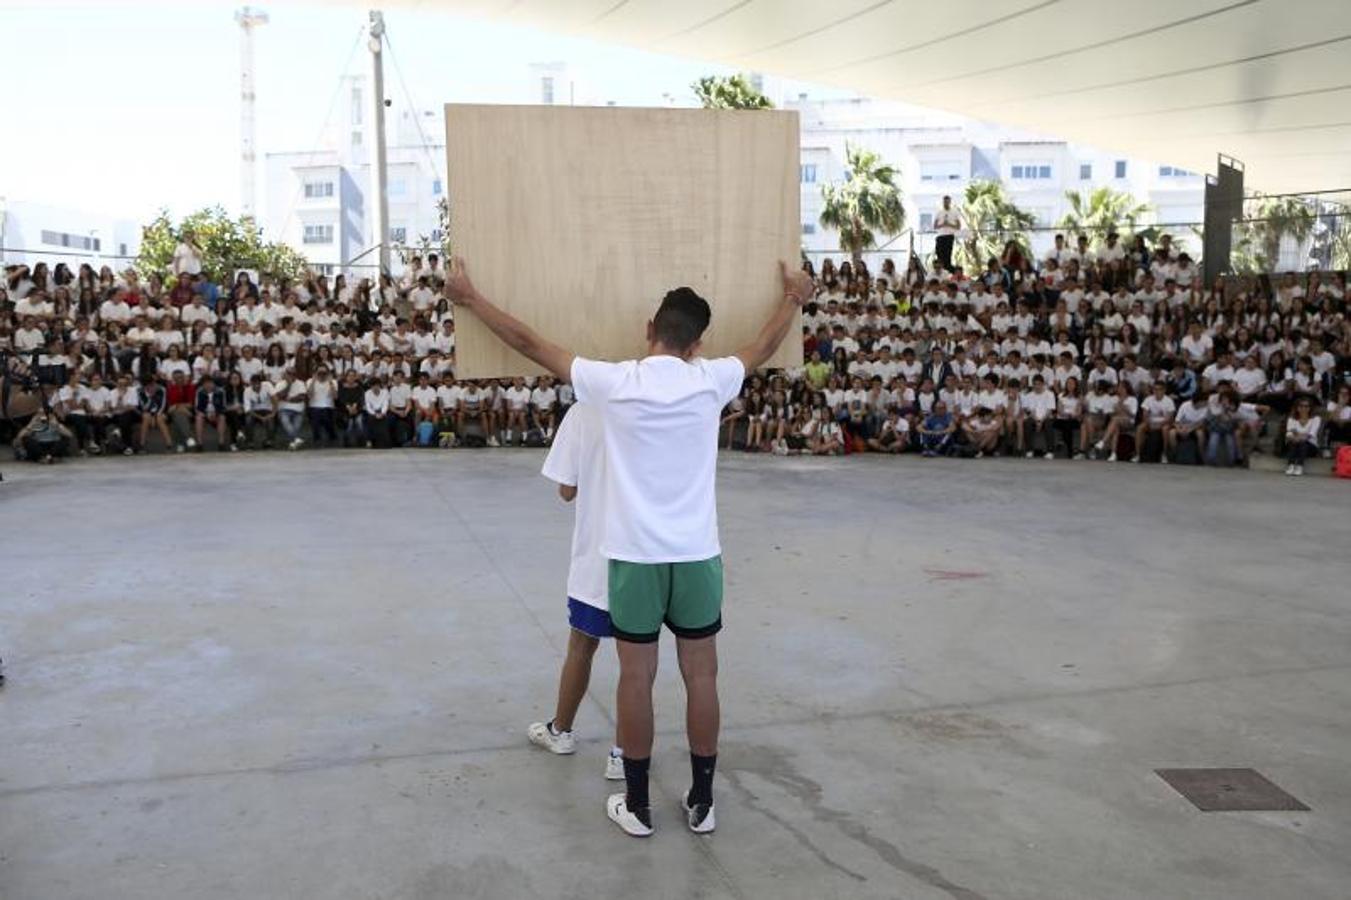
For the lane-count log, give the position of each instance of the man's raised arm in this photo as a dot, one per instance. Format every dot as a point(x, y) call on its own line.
point(798, 289)
point(514, 333)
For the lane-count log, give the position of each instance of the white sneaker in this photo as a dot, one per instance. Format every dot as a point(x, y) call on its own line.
point(191, 443)
point(128, 452)
point(1048, 456)
point(1299, 470)
point(234, 448)
point(1099, 445)
point(700, 818)
point(1028, 455)
point(179, 449)
point(614, 768)
point(560, 742)
point(1290, 469)
point(1112, 458)
point(619, 813)
point(979, 454)
point(1163, 460)
point(781, 448)
point(492, 441)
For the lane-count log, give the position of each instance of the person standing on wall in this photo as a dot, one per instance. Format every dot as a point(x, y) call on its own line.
point(946, 224)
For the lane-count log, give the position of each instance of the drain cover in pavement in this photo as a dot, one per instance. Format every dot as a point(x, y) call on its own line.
point(1229, 790)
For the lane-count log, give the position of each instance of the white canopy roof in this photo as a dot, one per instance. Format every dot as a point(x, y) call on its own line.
point(1176, 81)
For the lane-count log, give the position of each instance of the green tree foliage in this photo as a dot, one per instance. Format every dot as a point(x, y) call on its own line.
point(1257, 242)
point(731, 92)
point(227, 246)
point(868, 202)
point(1094, 213)
point(990, 219)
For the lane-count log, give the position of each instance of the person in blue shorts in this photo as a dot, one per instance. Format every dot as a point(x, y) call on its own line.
point(576, 463)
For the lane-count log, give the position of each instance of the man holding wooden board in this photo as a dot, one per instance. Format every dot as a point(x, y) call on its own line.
point(661, 415)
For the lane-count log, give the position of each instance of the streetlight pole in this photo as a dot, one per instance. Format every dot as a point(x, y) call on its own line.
point(380, 204)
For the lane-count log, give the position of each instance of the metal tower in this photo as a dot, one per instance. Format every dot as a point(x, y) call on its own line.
point(380, 201)
point(248, 19)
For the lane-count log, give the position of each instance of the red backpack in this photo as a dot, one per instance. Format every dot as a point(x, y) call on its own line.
point(1342, 469)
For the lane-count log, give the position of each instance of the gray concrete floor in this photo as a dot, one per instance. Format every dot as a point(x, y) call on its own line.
point(309, 676)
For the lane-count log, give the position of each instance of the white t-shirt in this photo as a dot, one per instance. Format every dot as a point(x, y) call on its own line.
point(661, 418)
point(518, 398)
point(1159, 410)
point(577, 459)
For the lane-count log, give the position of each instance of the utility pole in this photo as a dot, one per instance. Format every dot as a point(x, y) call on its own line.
point(248, 19)
point(380, 202)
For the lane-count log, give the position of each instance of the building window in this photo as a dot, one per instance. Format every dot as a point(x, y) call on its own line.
point(546, 90)
point(1085, 171)
point(397, 188)
point(78, 241)
point(318, 234)
point(807, 173)
point(121, 249)
point(356, 106)
point(317, 189)
point(940, 170)
point(809, 228)
point(1172, 172)
point(356, 139)
point(1031, 172)
point(1120, 168)
point(926, 222)
point(436, 186)
point(398, 234)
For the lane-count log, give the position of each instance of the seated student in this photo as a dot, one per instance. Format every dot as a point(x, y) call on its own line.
point(1221, 424)
point(516, 399)
point(824, 435)
point(734, 412)
point(125, 412)
point(1301, 435)
point(400, 409)
point(154, 412)
point(936, 430)
point(1011, 414)
point(1122, 420)
point(1038, 407)
point(376, 418)
point(892, 434)
point(982, 431)
point(260, 412)
point(181, 399)
point(98, 399)
point(1338, 419)
point(1190, 422)
point(290, 396)
point(1099, 406)
point(235, 388)
point(321, 395)
point(351, 401)
point(1158, 413)
point(209, 409)
point(543, 404)
point(1069, 415)
point(475, 408)
point(43, 439)
point(796, 436)
point(425, 408)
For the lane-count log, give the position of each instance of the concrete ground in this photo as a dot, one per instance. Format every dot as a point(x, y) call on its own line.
point(309, 676)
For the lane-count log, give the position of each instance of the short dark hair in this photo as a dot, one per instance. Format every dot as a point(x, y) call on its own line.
point(681, 319)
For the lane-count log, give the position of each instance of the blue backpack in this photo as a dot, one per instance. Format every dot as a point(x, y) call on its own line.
point(426, 434)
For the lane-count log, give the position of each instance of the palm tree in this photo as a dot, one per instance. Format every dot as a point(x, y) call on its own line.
point(732, 92)
point(990, 219)
point(1101, 210)
point(1279, 217)
point(867, 202)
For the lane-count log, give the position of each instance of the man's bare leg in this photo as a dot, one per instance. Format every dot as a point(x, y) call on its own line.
point(703, 717)
point(637, 671)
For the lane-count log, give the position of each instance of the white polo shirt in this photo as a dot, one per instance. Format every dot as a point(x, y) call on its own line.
point(661, 420)
point(577, 459)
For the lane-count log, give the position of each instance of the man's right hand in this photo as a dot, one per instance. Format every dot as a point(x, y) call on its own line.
point(457, 287)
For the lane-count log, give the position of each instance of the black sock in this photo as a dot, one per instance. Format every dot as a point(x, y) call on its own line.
point(701, 767)
point(635, 778)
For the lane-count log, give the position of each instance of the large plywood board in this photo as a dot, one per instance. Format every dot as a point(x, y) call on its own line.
point(578, 220)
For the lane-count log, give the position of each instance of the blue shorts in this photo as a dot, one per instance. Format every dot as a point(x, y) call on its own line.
point(588, 620)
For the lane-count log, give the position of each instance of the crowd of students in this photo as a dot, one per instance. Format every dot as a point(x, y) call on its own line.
point(1109, 351)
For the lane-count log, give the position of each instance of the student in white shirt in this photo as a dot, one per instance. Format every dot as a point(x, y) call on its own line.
point(260, 413)
point(290, 394)
point(1122, 420)
point(1038, 409)
point(946, 224)
point(1301, 436)
point(1159, 411)
point(377, 414)
point(576, 463)
point(543, 404)
point(661, 419)
point(517, 400)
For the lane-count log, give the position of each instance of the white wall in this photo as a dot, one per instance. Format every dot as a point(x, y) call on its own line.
point(22, 227)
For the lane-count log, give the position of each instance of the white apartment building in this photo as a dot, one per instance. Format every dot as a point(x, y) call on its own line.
point(938, 153)
point(315, 200)
point(35, 232)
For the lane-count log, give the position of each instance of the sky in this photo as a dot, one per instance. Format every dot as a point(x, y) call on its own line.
point(134, 106)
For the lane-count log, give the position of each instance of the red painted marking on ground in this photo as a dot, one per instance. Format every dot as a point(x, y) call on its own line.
point(952, 574)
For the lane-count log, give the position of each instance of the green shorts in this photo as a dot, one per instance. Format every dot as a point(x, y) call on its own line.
point(686, 596)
